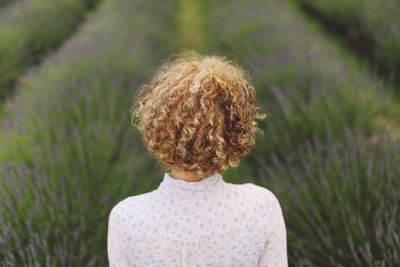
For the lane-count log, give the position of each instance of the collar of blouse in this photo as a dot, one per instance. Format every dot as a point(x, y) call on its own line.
point(182, 187)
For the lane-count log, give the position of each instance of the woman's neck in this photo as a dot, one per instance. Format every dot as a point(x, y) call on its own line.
point(178, 173)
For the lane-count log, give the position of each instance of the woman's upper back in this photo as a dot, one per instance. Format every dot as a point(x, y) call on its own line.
point(205, 223)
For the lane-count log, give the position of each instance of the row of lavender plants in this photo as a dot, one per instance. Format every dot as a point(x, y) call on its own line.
point(344, 201)
point(68, 152)
point(5, 2)
point(372, 26)
point(30, 29)
point(310, 93)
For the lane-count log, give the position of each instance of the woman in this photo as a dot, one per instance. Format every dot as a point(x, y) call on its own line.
point(197, 117)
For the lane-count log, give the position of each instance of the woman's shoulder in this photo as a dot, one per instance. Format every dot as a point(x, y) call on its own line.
point(258, 194)
point(130, 203)
point(256, 190)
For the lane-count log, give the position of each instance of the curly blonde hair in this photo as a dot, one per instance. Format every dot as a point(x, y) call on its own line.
point(198, 113)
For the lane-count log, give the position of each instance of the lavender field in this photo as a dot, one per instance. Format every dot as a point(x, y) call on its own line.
point(371, 28)
point(326, 149)
point(68, 153)
point(30, 29)
point(318, 103)
point(5, 2)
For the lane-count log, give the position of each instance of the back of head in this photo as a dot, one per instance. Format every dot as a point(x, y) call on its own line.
point(198, 113)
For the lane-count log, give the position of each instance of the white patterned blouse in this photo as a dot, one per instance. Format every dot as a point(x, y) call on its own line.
point(206, 223)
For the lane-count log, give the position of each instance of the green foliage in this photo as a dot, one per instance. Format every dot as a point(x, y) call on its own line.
point(310, 95)
point(302, 83)
point(370, 25)
point(68, 153)
point(5, 2)
point(29, 30)
point(342, 203)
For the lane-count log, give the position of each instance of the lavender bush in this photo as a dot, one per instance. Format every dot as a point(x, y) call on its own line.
point(30, 29)
point(302, 83)
point(68, 153)
point(311, 93)
point(342, 204)
point(5, 2)
point(370, 26)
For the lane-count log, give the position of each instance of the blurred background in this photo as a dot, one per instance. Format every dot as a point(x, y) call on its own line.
point(327, 73)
